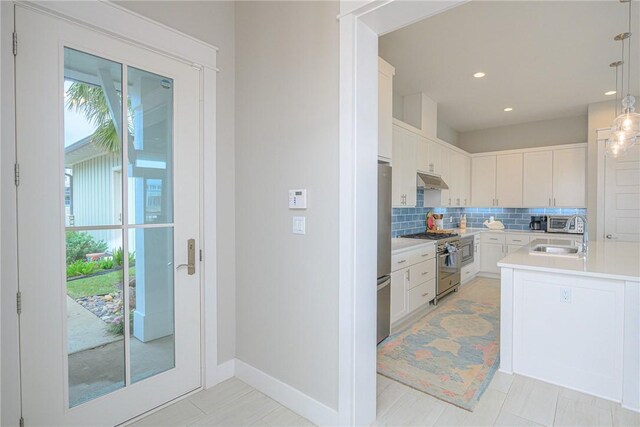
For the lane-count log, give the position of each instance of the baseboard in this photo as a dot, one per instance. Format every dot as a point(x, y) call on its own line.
point(316, 412)
point(221, 373)
point(488, 275)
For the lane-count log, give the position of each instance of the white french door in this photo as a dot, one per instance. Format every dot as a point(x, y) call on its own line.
point(108, 223)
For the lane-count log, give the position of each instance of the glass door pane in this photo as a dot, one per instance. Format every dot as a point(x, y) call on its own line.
point(150, 214)
point(93, 217)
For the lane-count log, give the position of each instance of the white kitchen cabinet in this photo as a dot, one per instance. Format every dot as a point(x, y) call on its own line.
point(491, 254)
point(435, 158)
point(483, 181)
point(459, 178)
point(537, 186)
point(385, 110)
point(466, 181)
point(445, 174)
point(569, 177)
point(413, 280)
point(399, 286)
point(403, 173)
point(509, 180)
point(477, 260)
point(422, 151)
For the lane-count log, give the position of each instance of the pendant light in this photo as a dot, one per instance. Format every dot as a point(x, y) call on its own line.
point(626, 126)
point(617, 144)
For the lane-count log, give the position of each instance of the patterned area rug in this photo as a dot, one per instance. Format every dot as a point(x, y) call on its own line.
point(452, 352)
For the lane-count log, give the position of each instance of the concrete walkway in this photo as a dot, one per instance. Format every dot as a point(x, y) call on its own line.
point(85, 330)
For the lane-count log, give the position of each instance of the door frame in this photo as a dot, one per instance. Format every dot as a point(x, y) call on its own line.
point(157, 38)
point(361, 24)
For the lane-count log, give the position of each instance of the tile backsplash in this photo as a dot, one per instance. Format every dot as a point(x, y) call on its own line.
point(412, 220)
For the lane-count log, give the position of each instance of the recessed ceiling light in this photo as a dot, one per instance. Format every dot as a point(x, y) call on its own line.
point(611, 92)
point(508, 109)
point(479, 75)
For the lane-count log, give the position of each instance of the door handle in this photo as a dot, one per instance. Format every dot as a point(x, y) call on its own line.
point(610, 236)
point(191, 258)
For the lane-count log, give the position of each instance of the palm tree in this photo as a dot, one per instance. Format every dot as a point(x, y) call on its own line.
point(91, 101)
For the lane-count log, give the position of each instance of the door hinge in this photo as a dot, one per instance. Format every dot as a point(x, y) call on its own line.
point(21, 422)
point(16, 170)
point(19, 302)
point(15, 44)
point(200, 254)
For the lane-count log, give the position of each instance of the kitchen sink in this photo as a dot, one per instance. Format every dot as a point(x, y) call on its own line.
point(546, 249)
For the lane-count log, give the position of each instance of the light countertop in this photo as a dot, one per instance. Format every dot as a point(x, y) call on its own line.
point(606, 259)
point(401, 244)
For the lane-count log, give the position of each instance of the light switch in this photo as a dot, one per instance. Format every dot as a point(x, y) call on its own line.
point(299, 226)
point(298, 199)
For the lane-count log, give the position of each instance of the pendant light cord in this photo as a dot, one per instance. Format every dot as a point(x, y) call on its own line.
point(629, 58)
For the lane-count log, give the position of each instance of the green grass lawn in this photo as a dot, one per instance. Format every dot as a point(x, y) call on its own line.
point(96, 285)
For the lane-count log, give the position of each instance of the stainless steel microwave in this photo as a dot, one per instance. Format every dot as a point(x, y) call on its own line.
point(558, 224)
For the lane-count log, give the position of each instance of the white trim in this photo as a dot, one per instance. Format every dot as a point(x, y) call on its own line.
point(222, 373)
point(306, 406)
point(600, 184)
point(531, 150)
point(138, 30)
point(148, 33)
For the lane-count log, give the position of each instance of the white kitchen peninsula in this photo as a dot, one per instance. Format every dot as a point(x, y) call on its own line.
point(574, 321)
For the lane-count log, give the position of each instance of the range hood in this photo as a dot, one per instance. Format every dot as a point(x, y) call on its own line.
point(432, 182)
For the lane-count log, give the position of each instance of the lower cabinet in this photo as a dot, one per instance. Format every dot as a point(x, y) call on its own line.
point(399, 282)
point(491, 254)
point(413, 285)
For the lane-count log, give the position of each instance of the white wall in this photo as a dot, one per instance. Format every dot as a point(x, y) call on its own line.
point(213, 22)
point(287, 137)
point(526, 135)
point(448, 134)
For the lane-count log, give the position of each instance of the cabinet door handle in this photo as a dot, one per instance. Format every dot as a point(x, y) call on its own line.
point(465, 202)
point(458, 201)
point(449, 201)
point(424, 273)
point(401, 261)
point(427, 254)
point(554, 201)
point(425, 294)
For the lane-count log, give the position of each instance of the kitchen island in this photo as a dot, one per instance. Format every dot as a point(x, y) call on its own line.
point(574, 320)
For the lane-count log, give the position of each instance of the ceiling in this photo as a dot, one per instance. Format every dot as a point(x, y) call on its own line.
point(545, 59)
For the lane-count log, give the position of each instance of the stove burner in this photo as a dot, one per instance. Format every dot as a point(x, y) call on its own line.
point(430, 236)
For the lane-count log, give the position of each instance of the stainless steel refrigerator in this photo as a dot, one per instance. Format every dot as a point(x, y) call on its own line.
point(384, 251)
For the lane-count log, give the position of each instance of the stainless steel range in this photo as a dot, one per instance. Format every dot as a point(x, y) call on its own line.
point(448, 269)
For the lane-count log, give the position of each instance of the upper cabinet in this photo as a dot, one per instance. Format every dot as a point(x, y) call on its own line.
point(569, 177)
point(403, 172)
point(555, 178)
point(536, 178)
point(537, 185)
point(483, 181)
point(497, 180)
point(385, 110)
point(509, 180)
point(435, 158)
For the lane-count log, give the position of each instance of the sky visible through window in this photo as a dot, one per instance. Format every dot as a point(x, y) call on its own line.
point(76, 127)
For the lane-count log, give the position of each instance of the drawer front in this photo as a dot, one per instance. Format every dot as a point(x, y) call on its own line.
point(467, 272)
point(405, 259)
point(494, 238)
point(421, 272)
point(517, 239)
point(400, 261)
point(421, 295)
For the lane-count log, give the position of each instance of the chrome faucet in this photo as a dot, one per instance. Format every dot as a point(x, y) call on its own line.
point(585, 235)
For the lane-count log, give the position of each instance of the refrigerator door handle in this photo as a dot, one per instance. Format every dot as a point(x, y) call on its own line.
point(384, 281)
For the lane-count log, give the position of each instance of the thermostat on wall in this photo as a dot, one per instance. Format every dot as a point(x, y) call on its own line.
point(298, 199)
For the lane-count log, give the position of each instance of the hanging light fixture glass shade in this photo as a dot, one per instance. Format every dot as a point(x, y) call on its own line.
point(618, 143)
point(629, 121)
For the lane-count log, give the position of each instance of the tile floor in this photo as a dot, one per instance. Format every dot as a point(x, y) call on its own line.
point(510, 400)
